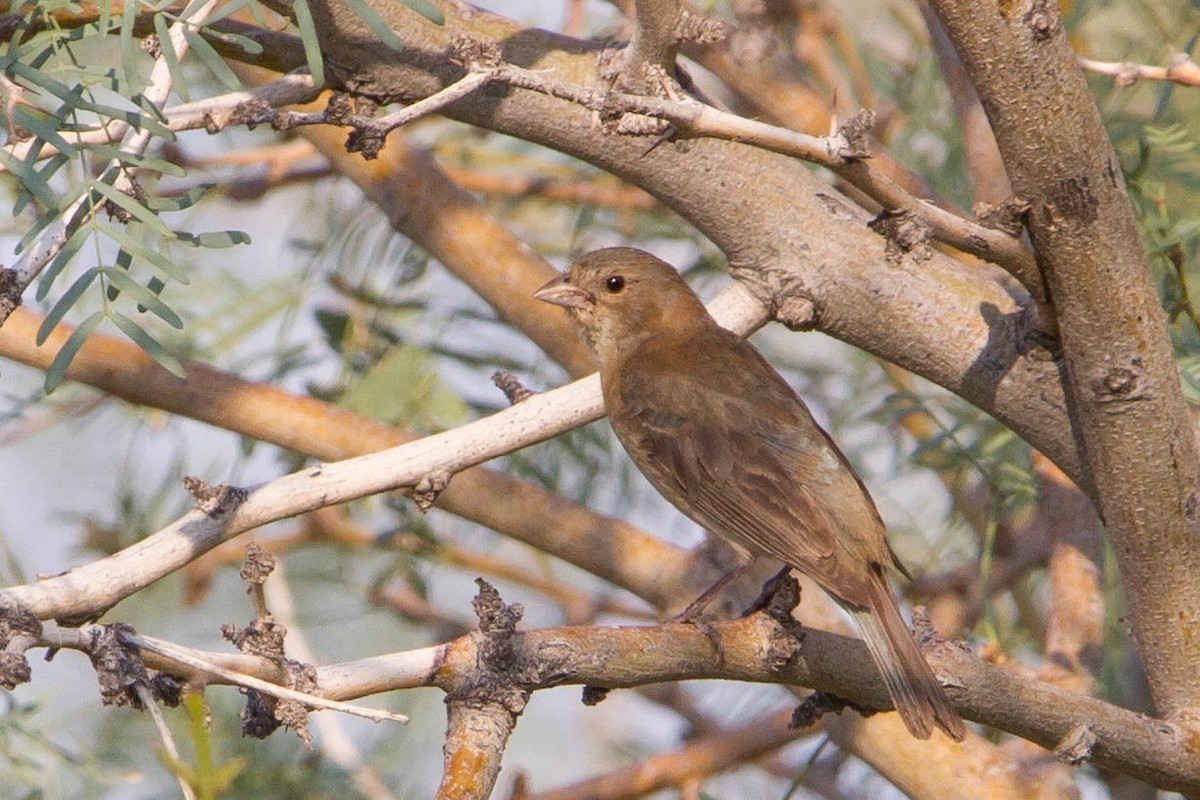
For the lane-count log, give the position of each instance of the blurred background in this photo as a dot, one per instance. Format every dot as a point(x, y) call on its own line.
point(327, 300)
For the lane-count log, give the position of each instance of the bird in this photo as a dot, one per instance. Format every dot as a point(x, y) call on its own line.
point(723, 437)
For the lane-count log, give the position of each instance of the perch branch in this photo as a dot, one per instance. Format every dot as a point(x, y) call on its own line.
point(1152, 750)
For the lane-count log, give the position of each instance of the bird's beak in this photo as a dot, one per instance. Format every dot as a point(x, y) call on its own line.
point(561, 293)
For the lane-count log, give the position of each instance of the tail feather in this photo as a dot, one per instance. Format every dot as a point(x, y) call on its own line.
point(911, 684)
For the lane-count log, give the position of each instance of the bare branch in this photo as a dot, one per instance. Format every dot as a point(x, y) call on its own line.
point(483, 703)
point(715, 752)
point(755, 649)
point(425, 205)
point(90, 589)
point(984, 166)
point(967, 329)
point(1131, 743)
point(369, 132)
point(653, 45)
point(603, 545)
point(164, 735)
point(334, 741)
point(1183, 70)
point(182, 657)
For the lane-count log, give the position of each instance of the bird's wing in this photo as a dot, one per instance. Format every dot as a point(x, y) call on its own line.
point(739, 453)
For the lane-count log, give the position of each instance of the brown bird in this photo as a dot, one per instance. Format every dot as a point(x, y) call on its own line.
point(723, 437)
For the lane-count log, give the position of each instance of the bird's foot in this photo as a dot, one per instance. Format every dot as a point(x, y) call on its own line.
point(778, 590)
point(692, 616)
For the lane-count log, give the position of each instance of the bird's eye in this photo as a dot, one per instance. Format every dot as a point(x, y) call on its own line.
point(614, 284)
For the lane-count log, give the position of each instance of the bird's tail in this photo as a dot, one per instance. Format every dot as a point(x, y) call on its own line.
point(914, 689)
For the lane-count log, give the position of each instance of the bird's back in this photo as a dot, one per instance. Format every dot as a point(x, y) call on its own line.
point(720, 433)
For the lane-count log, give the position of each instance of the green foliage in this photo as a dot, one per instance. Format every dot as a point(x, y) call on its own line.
point(215, 759)
point(27, 751)
point(208, 779)
point(1163, 175)
point(427, 10)
point(308, 35)
point(968, 441)
point(95, 201)
point(402, 387)
point(376, 23)
point(966, 446)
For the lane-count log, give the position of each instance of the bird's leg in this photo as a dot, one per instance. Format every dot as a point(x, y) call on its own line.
point(692, 614)
point(769, 589)
point(696, 607)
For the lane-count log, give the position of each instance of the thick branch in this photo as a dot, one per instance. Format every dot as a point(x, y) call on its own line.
point(1127, 405)
point(653, 44)
point(797, 242)
point(483, 702)
point(984, 166)
point(1127, 742)
point(753, 651)
point(844, 153)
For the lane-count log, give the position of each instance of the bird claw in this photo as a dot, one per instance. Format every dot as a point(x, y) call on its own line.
point(780, 587)
point(691, 616)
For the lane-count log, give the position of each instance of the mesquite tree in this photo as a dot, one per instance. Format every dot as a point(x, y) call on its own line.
point(1031, 356)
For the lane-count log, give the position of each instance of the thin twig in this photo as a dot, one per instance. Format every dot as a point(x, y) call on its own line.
point(184, 658)
point(466, 85)
point(164, 733)
point(1182, 70)
point(370, 132)
point(334, 741)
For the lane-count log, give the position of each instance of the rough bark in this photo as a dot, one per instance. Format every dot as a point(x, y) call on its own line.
point(790, 236)
point(1126, 404)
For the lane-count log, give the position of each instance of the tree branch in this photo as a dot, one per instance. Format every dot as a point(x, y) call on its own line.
point(797, 243)
point(1127, 405)
point(653, 45)
point(605, 546)
point(91, 589)
point(1182, 70)
point(757, 650)
point(844, 153)
point(713, 753)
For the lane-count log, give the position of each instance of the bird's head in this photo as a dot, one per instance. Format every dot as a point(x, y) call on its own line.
point(621, 297)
